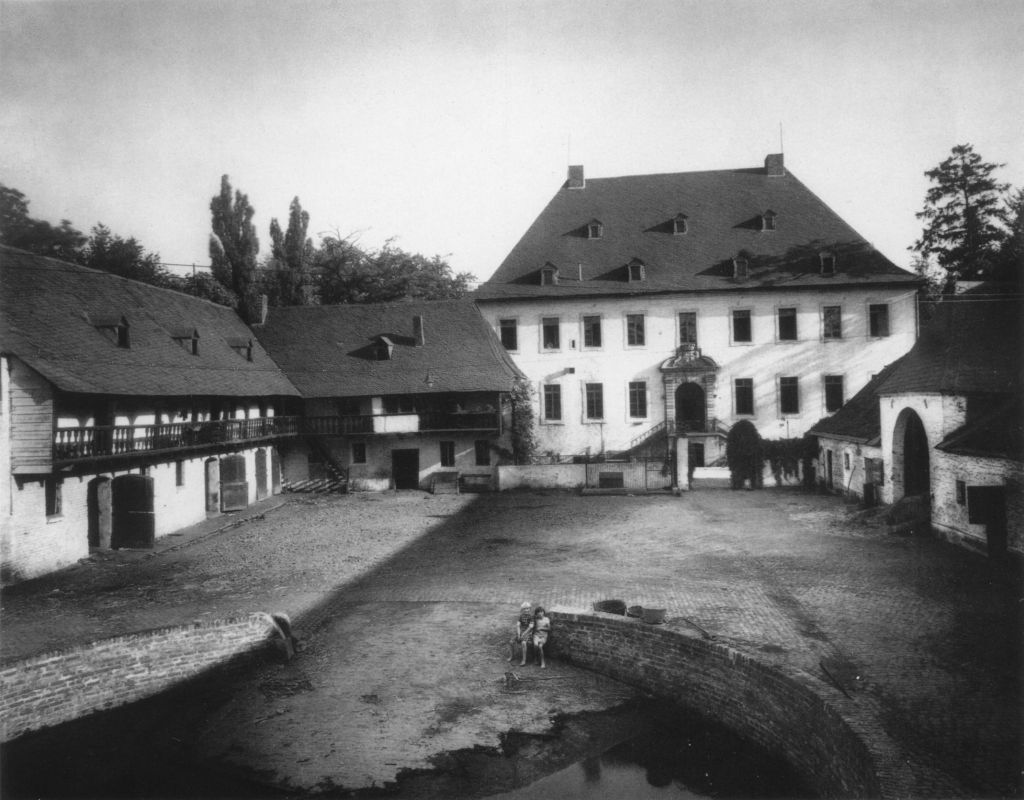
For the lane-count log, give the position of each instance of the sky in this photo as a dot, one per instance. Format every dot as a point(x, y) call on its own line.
point(449, 125)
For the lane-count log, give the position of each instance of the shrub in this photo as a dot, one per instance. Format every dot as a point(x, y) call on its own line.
point(744, 454)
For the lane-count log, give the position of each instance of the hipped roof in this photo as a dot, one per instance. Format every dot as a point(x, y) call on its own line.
point(52, 315)
point(723, 210)
point(329, 351)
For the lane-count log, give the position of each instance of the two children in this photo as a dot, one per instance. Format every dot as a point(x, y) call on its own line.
point(530, 627)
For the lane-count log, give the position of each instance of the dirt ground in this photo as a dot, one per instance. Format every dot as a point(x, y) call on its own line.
point(403, 602)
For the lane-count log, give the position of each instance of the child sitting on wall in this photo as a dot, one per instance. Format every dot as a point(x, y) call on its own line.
point(521, 638)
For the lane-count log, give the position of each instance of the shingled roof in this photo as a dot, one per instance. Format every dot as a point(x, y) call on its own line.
point(999, 434)
point(724, 213)
point(58, 318)
point(971, 345)
point(330, 351)
point(859, 420)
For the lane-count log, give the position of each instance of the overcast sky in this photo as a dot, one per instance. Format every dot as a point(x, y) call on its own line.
point(449, 125)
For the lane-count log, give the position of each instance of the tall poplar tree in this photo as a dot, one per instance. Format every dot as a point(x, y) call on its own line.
point(292, 252)
point(233, 247)
point(963, 216)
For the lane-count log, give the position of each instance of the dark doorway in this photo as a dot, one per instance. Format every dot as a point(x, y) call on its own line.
point(99, 508)
point(234, 488)
point(212, 486)
point(695, 454)
point(261, 474)
point(986, 505)
point(133, 520)
point(916, 471)
point(405, 468)
point(691, 407)
point(275, 471)
point(828, 469)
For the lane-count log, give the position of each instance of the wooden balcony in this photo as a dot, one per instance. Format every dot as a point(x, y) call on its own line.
point(106, 441)
point(71, 445)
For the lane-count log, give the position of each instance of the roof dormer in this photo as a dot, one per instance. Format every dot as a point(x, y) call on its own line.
point(768, 220)
point(679, 225)
point(114, 327)
point(740, 267)
point(384, 348)
point(187, 338)
point(549, 275)
point(636, 270)
point(595, 229)
point(827, 262)
point(242, 345)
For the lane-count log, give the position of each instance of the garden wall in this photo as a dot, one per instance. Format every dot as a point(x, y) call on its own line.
point(834, 742)
point(542, 476)
point(56, 687)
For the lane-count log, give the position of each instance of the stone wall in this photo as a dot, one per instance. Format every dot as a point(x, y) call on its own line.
point(837, 744)
point(542, 476)
point(950, 513)
point(57, 687)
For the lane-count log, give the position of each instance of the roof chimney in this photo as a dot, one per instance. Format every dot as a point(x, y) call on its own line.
point(773, 165)
point(576, 180)
point(417, 330)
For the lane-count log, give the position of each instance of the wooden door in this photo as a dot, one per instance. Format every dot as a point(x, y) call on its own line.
point(405, 468)
point(133, 518)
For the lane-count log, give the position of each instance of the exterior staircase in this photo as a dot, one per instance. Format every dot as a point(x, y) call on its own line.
point(334, 482)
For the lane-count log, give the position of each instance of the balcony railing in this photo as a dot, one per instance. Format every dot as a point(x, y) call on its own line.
point(71, 444)
point(113, 440)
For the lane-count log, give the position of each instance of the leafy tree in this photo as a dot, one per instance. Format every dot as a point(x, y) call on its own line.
point(126, 257)
point(744, 453)
point(524, 432)
point(233, 247)
point(285, 278)
point(963, 216)
point(35, 235)
point(347, 274)
point(204, 285)
point(1010, 265)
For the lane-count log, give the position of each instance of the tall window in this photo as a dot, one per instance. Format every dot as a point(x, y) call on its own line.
point(483, 452)
point(789, 396)
point(687, 327)
point(179, 473)
point(447, 454)
point(741, 325)
point(637, 399)
point(509, 332)
point(636, 336)
point(787, 324)
point(744, 391)
point(552, 402)
point(833, 392)
point(358, 452)
point(54, 497)
point(832, 322)
point(595, 401)
point(549, 333)
point(592, 331)
point(878, 319)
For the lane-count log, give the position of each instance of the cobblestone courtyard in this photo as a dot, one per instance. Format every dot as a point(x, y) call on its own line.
point(403, 602)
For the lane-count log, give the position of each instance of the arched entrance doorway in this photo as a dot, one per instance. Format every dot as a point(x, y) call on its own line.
point(691, 407)
point(910, 456)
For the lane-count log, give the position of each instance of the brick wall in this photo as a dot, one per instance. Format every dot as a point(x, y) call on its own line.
point(837, 744)
point(56, 687)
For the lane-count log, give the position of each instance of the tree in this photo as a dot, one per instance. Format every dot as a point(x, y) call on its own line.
point(285, 279)
point(1010, 266)
point(963, 216)
point(744, 452)
point(126, 257)
point(233, 247)
point(347, 274)
point(35, 235)
point(524, 432)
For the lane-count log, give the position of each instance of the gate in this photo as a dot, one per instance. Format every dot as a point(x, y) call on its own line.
point(133, 521)
point(639, 475)
point(234, 488)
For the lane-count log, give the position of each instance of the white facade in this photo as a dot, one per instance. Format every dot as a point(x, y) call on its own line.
point(620, 364)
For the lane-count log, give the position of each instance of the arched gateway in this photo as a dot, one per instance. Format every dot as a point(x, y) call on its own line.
point(911, 462)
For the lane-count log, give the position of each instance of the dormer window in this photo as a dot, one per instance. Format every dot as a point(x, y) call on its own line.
point(187, 339)
point(384, 349)
point(549, 275)
point(637, 270)
point(679, 225)
point(595, 230)
point(740, 268)
point(115, 328)
point(242, 346)
point(768, 221)
point(828, 263)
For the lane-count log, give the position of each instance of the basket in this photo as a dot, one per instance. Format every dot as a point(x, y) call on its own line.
point(654, 616)
point(611, 606)
point(635, 611)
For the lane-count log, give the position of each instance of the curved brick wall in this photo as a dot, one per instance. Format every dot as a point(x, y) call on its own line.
point(836, 743)
point(56, 687)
